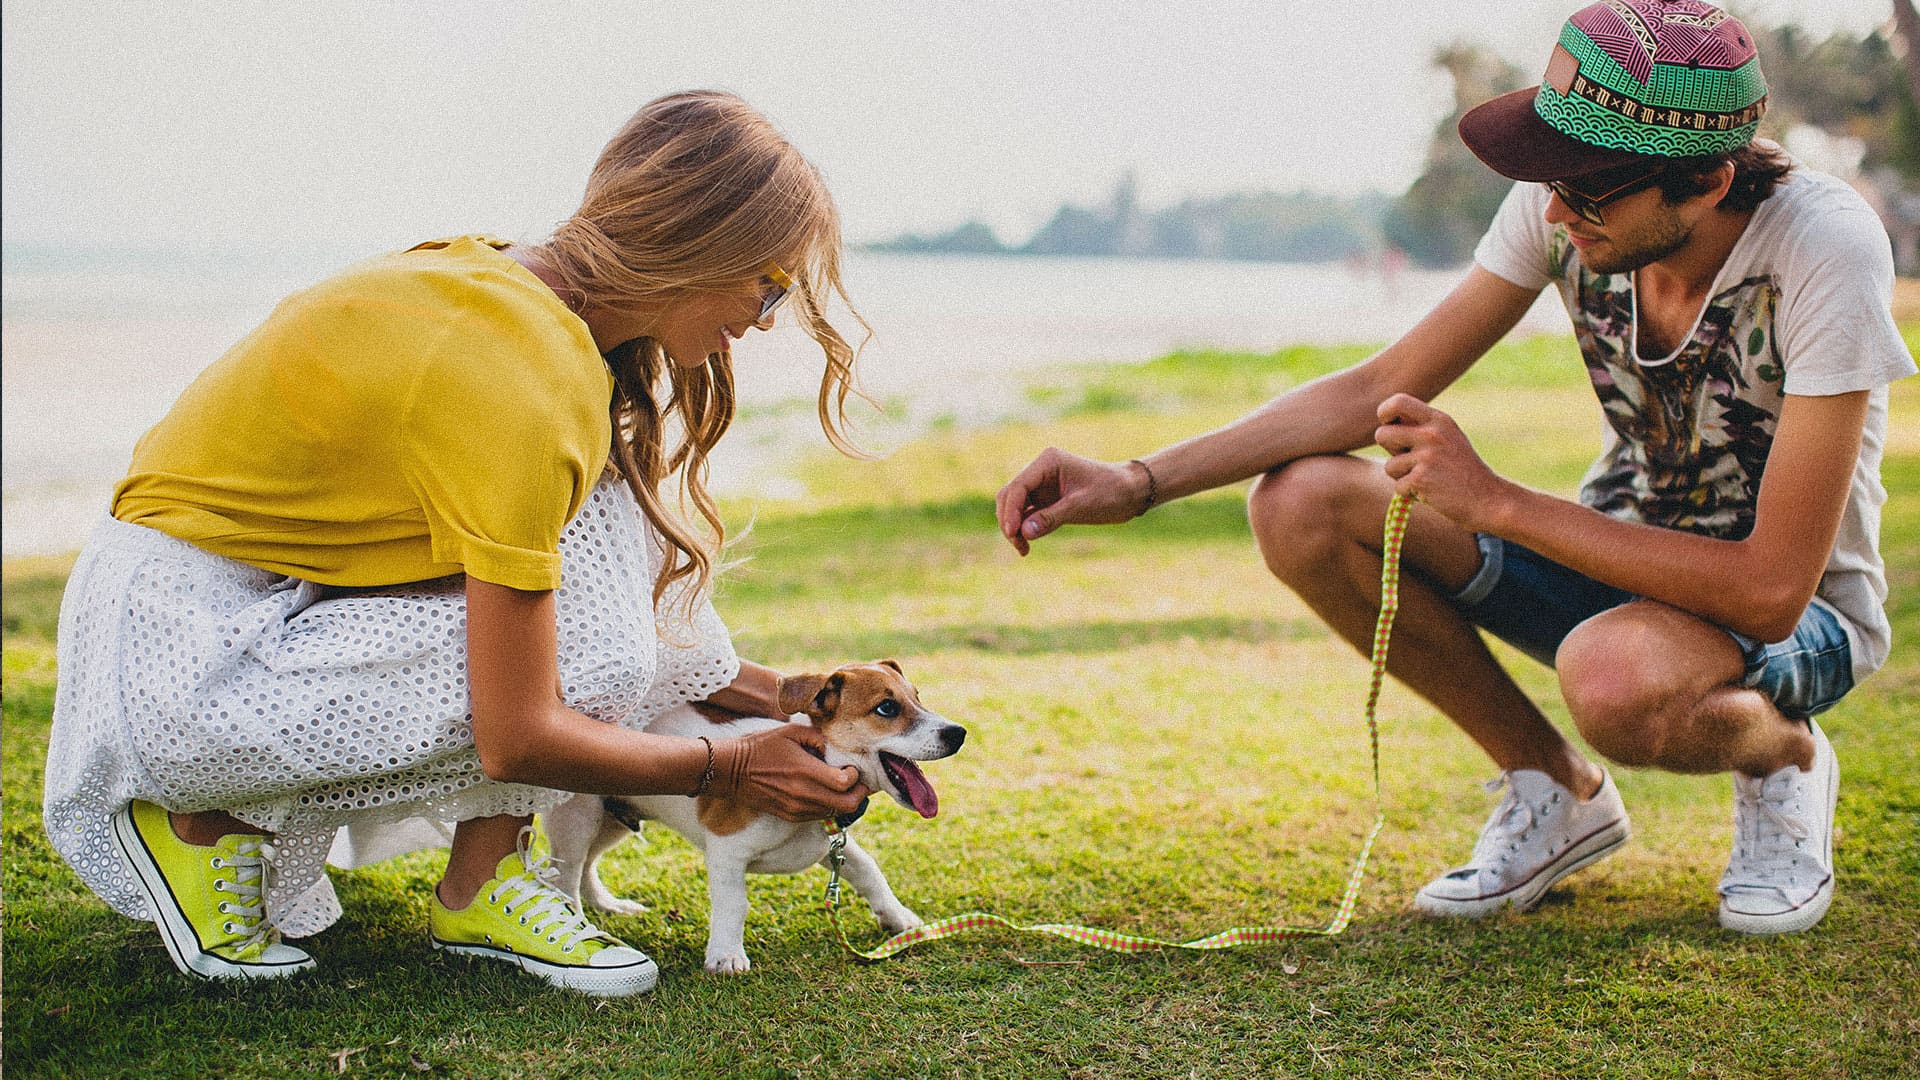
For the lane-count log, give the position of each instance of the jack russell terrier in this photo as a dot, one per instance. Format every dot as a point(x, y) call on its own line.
point(869, 716)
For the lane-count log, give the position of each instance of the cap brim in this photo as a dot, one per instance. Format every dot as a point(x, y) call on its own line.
point(1515, 142)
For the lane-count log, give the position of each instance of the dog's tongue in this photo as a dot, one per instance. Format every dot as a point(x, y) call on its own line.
point(913, 784)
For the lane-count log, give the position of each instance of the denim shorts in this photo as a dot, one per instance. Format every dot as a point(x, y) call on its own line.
point(1533, 603)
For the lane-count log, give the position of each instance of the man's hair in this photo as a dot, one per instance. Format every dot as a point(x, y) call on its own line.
point(1757, 169)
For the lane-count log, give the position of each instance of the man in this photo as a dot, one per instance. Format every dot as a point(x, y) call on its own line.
point(1718, 582)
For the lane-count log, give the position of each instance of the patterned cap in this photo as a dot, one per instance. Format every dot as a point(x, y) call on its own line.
point(1629, 79)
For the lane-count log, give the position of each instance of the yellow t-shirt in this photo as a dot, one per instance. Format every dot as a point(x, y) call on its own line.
point(421, 414)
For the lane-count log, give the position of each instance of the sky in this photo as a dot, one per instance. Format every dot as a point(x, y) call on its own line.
point(354, 126)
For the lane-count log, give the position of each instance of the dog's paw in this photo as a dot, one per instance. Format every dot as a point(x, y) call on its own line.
point(728, 964)
point(614, 905)
point(899, 920)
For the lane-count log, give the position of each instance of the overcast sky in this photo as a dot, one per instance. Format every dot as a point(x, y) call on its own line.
point(352, 126)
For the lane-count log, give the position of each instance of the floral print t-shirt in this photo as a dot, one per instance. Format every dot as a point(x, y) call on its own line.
point(1801, 306)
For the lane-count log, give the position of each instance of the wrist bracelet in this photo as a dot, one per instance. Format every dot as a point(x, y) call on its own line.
point(1153, 487)
point(706, 778)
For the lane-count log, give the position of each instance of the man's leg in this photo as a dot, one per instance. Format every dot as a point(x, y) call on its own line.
point(1318, 522)
point(1650, 685)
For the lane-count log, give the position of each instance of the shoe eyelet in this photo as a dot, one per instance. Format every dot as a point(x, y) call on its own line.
point(216, 862)
point(219, 884)
point(523, 920)
point(226, 927)
point(551, 939)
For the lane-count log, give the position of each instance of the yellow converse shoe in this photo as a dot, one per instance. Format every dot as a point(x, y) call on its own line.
point(520, 917)
point(209, 902)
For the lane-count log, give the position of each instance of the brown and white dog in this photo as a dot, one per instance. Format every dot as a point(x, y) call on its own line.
point(869, 716)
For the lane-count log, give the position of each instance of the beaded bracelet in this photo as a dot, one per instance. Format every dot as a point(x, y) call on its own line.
point(706, 778)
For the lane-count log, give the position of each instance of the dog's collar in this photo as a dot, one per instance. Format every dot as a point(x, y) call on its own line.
point(846, 820)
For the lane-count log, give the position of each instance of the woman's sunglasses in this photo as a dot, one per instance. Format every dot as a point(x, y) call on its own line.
point(1588, 206)
point(775, 287)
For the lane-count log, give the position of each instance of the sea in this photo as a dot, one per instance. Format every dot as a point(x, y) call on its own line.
point(94, 348)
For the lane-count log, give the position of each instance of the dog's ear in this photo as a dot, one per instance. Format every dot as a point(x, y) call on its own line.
point(827, 701)
point(894, 664)
point(797, 692)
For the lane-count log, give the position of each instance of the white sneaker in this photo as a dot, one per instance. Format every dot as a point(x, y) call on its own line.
point(1780, 878)
point(1538, 834)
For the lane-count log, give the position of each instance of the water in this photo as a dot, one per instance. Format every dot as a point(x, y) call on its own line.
point(94, 351)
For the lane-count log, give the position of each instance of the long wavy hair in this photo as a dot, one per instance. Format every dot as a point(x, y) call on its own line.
point(698, 192)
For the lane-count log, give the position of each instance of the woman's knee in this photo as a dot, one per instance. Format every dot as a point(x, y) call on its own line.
point(1298, 510)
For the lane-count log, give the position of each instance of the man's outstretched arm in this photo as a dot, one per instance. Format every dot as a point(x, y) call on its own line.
point(1330, 415)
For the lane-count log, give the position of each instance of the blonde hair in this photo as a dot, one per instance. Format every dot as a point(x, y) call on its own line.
point(698, 191)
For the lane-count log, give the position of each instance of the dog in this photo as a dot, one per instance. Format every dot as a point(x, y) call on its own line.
point(870, 717)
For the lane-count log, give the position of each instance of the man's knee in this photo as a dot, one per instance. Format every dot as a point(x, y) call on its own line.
point(1630, 677)
point(1298, 510)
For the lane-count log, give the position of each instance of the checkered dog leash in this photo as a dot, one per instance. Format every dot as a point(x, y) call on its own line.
point(1234, 937)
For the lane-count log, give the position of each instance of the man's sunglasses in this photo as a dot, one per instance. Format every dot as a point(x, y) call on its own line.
point(775, 287)
point(1588, 206)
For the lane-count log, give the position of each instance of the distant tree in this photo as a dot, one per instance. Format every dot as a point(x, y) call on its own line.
point(1844, 85)
point(972, 238)
point(1075, 230)
point(1864, 89)
point(1906, 25)
point(1441, 216)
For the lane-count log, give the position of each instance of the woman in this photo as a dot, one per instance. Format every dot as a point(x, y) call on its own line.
point(402, 555)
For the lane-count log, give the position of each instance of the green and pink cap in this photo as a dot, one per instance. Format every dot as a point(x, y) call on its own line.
point(1629, 81)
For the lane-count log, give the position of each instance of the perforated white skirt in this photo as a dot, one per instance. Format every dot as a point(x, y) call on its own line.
point(197, 682)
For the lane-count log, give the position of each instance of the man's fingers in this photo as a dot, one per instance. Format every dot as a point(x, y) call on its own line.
point(1035, 483)
point(1393, 438)
point(1038, 524)
point(1403, 409)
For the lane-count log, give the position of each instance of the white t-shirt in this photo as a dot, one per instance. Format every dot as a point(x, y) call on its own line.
point(1802, 307)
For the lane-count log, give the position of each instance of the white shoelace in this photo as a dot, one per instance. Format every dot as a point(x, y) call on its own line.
point(545, 909)
point(254, 861)
point(1510, 823)
point(1766, 839)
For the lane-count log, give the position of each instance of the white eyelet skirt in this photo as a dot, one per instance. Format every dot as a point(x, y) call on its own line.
point(196, 682)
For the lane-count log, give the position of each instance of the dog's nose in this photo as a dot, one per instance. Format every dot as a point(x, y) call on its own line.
point(952, 736)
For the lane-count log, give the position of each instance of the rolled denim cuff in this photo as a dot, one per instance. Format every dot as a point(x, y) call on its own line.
point(1754, 652)
point(1492, 561)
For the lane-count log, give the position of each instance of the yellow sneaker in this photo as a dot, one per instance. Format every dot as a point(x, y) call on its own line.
point(521, 917)
point(209, 902)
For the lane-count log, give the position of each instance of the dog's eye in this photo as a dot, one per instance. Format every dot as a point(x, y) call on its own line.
point(888, 708)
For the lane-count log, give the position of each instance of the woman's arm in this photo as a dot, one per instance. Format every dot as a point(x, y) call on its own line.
point(753, 692)
point(526, 734)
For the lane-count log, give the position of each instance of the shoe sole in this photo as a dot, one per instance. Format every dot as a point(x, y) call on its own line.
point(1806, 915)
point(600, 982)
point(183, 943)
point(1528, 894)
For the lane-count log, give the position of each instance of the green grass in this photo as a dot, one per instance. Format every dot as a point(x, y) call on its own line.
point(1163, 742)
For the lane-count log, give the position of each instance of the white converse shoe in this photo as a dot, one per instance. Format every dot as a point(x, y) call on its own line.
point(1537, 835)
point(1780, 878)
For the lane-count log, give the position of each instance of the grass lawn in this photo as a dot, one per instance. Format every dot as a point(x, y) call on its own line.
point(1162, 742)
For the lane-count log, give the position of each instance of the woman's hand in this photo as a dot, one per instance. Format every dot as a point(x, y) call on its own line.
point(781, 772)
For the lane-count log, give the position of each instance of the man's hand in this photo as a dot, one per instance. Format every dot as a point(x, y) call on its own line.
point(1059, 488)
point(1433, 462)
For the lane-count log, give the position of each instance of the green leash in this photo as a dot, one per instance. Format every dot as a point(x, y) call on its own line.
point(1235, 937)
